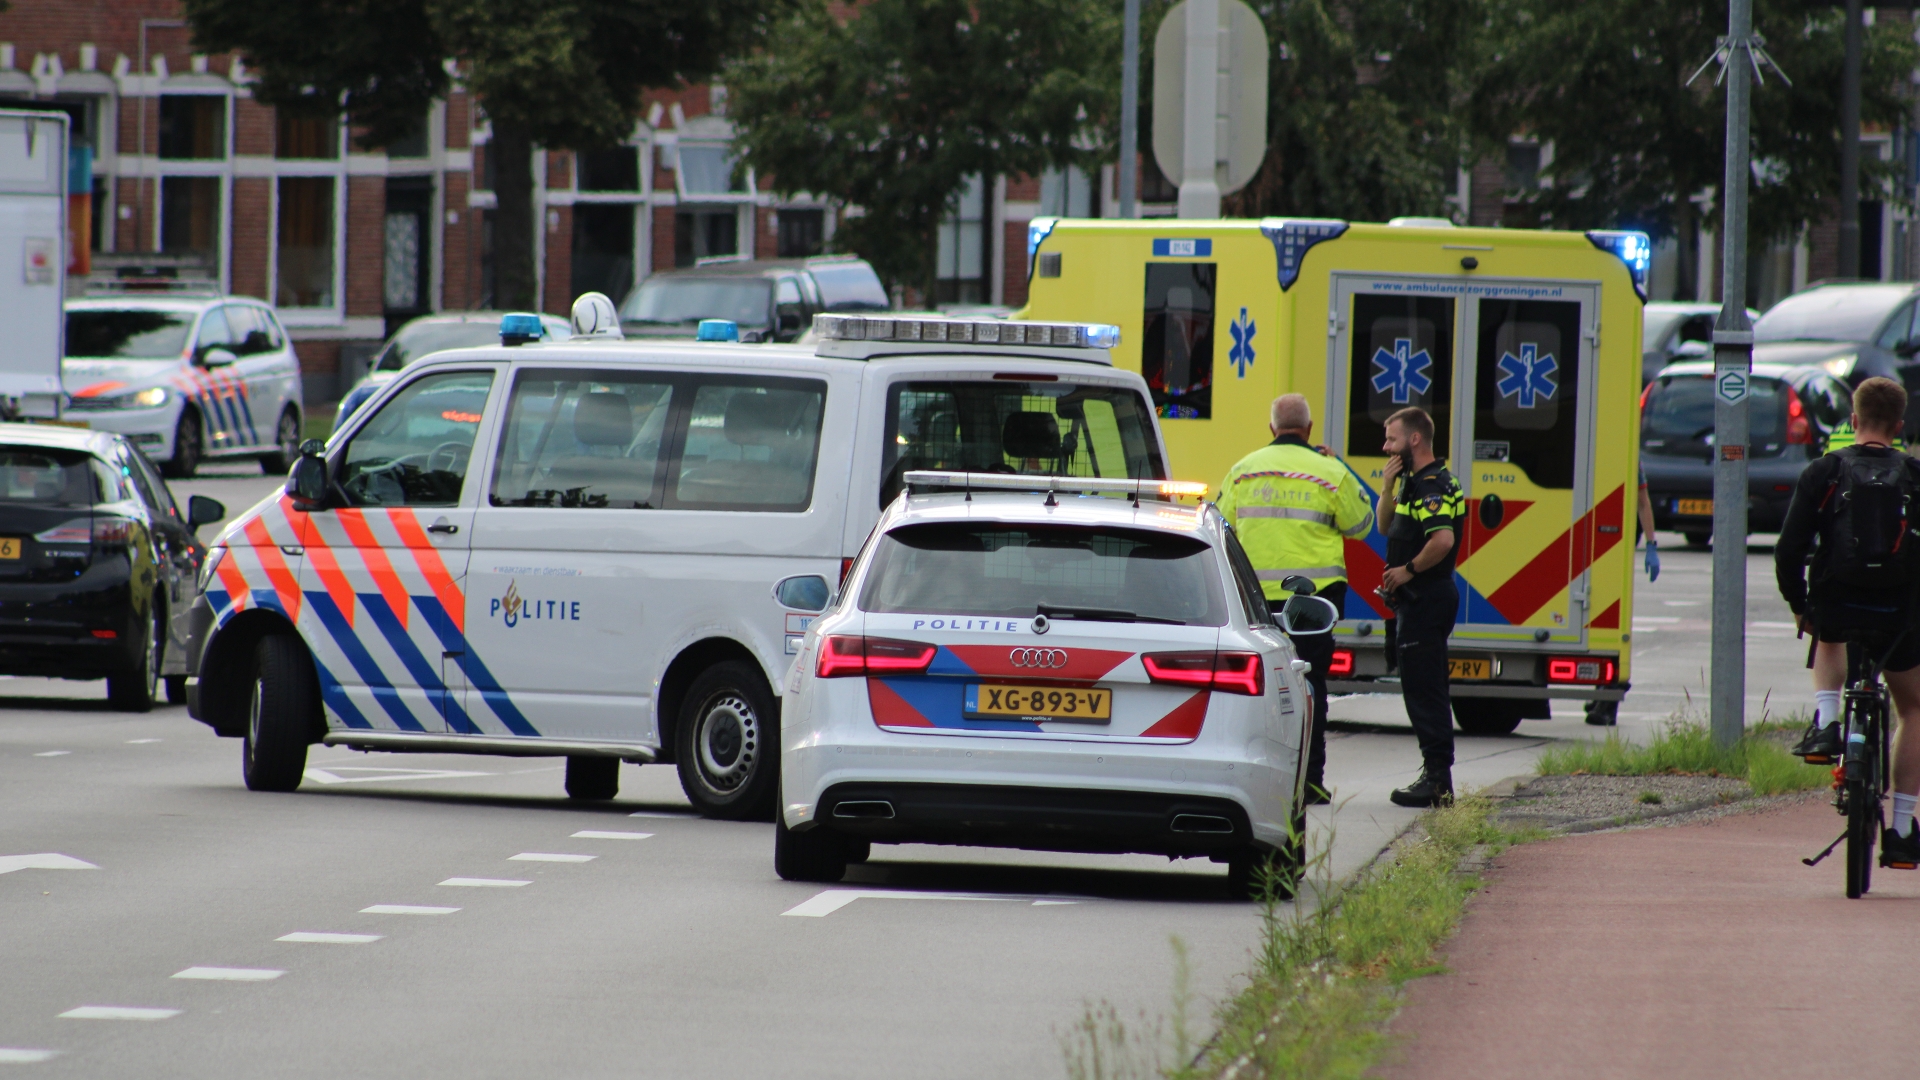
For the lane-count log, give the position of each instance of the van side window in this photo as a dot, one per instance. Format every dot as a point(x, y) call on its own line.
point(1176, 347)
point(583, 439)
point(751, 444)
point(415, 450)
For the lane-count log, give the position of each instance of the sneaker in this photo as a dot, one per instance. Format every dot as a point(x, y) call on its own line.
point(1434, 788)
point(1820, 745)
point(1899, 852)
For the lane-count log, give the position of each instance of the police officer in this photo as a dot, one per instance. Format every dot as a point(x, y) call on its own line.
point(1418, 584)
point(1293, 505)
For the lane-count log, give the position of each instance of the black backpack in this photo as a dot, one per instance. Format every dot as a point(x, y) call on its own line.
point(1869, 506)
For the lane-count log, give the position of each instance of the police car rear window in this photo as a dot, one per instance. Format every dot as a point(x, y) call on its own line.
point(1000, 570)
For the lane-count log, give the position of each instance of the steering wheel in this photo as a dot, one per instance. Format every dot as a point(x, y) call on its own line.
point(456, 452)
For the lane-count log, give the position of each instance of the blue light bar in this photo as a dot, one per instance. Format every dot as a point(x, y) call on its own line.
point(520, 327)
point(717, 330)
point(1633, 248)
point(1293, 238)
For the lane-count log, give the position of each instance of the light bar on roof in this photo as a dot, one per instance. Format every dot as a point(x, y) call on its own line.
point(979, 481)
point(965, 331)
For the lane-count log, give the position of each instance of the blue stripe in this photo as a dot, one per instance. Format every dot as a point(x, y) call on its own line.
point(943, 703)
point(362, 661)
point(335, 697)
point(452, 640)
point(416, 664)
point(246, 408)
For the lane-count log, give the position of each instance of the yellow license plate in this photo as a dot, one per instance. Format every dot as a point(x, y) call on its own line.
point(1039, 702)
point(1458, 668)
point(10, 547)
point(1693, 507)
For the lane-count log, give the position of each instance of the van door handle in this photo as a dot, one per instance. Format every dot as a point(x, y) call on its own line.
point(443, 527)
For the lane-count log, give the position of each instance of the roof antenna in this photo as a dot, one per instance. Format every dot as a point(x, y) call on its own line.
point(1050, 500)
point(969, 475)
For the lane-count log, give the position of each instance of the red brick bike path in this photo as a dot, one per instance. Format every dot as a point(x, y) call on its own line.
point(1692, 951)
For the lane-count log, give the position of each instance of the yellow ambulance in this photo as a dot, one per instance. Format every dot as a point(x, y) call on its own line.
point(1524, 346)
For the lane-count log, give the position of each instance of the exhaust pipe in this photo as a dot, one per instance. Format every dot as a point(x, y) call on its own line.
point(1201, 823)
point(864, 808)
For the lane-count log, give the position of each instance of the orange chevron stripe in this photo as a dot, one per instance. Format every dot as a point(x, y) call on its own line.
point(360, 535)
point(327, 565)
point(235, 580)
point(285, 586)
point(427, 557)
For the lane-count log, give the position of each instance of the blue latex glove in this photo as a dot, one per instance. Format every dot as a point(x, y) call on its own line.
point(1653, 560)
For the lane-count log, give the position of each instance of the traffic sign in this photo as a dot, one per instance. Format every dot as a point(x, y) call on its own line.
point(1210, 123)
point(1731, 386)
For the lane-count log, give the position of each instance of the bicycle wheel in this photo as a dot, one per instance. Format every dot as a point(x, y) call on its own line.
point(1862, 816)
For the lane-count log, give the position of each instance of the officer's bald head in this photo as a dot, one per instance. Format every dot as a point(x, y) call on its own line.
point(1291, 413)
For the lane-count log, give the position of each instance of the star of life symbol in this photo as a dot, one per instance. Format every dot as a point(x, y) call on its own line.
point(1241, 354)
point(1402, 372)
point(1529, 375)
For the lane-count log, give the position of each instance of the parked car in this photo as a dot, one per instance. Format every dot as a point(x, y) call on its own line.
point(1791, 413)
point(186, 378)
point(769, 299)
point(98, 566)
point(1675, 330)
point(429, 334)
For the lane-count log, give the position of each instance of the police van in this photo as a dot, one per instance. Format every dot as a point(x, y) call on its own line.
point(1522, 344)
point(610, 550)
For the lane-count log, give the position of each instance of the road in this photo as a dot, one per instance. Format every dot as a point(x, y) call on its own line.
point(625, 939)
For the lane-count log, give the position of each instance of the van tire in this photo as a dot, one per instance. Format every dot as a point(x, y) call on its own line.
point(593, 779)
point(727, 743)
point(815, 856)
point(281, 715)
point(1490, 716)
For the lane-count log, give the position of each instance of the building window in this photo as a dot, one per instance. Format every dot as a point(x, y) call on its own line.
point(304, 263)
point(802, 233)
point(961, 259)
point(190, 215)
point(709, 171)
point(306, 137)
point(1523, 166)
point(193, 127)
point(406, 243)
point(1067, 193)
point(613, 169)
point(414, 143)
point(705, 234)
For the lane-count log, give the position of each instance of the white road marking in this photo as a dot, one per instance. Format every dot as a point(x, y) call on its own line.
point(595, 834)
point(406, 909)
point(332, 775)
point(328, 939)
point(663, 813)
point(485, 882)
point(1656, 618)
point(52, 753)
point(117, 1012)
point(229, 974)
point(826, 903)
point(45, 861)
point(140, 742)
point(1776, 625)
point(549, 856)
point(15, 1055)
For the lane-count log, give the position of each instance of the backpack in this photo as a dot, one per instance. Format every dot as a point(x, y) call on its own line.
point(1868, 507)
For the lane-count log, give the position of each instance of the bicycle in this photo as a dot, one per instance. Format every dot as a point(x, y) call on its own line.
point(1861, 779)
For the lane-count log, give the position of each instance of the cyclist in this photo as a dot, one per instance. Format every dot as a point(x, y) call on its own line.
point(1879, 406)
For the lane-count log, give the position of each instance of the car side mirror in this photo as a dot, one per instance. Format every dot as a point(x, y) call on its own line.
point(218, 356)
point(1303, 614)
point(1298, 585)
point(807, 592)
point(204, 511)
point(307, 480)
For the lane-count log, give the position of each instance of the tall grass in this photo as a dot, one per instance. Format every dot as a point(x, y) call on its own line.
point(1684, 747)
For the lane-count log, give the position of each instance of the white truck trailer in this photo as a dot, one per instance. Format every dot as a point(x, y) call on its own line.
point(33, 262)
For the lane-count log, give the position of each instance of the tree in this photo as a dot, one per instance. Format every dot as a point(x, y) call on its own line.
point(567, 74)
point(891, 106)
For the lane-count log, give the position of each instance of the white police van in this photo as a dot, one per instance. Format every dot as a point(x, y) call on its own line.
point(610, 550)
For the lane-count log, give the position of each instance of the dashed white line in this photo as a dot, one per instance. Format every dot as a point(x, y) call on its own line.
point(822, 904)
point(663, 813)
point(407, 909)
point(52, 753)
point(141, 742)
point(596, 834)
point(117, 1012)
point(328, 939)
point(549, 856)
point(15, 1055)
point(484, 882)
point(229, 974)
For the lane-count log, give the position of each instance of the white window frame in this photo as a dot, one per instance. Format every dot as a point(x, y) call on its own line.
point(334, 314)
point(680, 175)
point(220, 168)
point(640, 199)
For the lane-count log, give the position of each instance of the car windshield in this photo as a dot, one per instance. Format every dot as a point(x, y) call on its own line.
point(50, 477)
point(1678, 414)
point(1001, 570)
point(849, 286)
point(1832, 314)
point(684, 301)
point(128, 334)
point(425, 339)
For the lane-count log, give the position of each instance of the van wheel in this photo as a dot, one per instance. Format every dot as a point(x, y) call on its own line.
point(133, 688)
point(187, 448)
point(286, 445)
point(816, 855)
point(176, 689)
point(726, 743)
point(1489, 716)
point(593, 779)
point(281, 717)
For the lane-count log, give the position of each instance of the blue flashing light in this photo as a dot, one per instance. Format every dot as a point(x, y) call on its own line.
point(1103, 336)
point(1037, 231)
point(520, 327)
point(1293, 238)
point(717, 330)
point(1632, 248)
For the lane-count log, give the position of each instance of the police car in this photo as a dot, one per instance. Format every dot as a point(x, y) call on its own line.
point(608, 549)
point(1042, 668)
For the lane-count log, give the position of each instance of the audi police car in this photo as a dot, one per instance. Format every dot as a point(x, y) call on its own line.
point(1037, 669)
point(610, 550)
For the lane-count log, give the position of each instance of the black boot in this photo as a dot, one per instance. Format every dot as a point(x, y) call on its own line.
point(1434, 788)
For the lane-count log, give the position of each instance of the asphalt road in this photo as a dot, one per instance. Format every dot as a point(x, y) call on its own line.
point(626, 939)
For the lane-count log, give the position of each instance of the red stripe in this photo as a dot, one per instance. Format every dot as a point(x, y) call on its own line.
point(1364, 567)
point(1082, 664)
point(1183, 722)
point(427, 557)
point(1608, 619)
point(97, 389)
point(892, 710)
point(360, 535)
point(284, 584)
point(1526, 592)
point(234, 579)
point(320, 553)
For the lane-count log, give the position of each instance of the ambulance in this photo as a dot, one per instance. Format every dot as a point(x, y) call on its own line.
point(1524, 346)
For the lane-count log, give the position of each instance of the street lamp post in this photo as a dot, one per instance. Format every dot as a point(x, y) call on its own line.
point(1849, 239)
point(1129, 106)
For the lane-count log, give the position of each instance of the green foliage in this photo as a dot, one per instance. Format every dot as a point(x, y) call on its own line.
point(1685, 748)
point(890, 107)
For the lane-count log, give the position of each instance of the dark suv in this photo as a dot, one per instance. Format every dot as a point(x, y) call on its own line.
point(769, 299)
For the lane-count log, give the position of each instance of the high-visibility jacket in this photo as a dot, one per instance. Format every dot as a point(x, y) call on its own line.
point(1843, 437)
point(1293, 508)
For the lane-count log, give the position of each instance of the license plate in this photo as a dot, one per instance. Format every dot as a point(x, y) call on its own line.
point(1039, 703)
point(10, 547)
point(1458, 668)
point(1693, 507)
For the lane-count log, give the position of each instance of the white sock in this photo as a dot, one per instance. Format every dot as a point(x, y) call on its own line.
point(1826, 706)
point(1903, 814)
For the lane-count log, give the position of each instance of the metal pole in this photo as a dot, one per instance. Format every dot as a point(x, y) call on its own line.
point(1850, 150)
point(1732, 365)
point(1129, 107)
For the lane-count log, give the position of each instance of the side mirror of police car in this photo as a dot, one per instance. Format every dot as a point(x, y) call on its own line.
point(1298, 585)
point(1303, 614)
point(307, 481)
point(807, 592)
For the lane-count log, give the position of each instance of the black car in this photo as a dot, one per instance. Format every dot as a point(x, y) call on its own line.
point(98, 565)
point(1791, 412)
point(769, 299)
point(1850, 330)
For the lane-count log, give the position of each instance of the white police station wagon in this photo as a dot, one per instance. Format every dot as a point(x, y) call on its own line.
point(1048, 670)
point(608, 549)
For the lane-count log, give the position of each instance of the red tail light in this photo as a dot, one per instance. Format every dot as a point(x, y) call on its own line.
point(105, 635)
point(102, 531)
point(846, 567)
point(1799, 431)
point(1580, 669)
point(1233, 672)
point(1644, 393)
point(846, 655)
point(1342, 662)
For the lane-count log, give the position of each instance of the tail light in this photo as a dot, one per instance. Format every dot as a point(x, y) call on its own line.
point(1580, 669)
point(1342, 662)
point(1233, 672)
point(1645, 393)
point(1799, 430)
point(846, 567)
point(104, 532)
point(845, 655)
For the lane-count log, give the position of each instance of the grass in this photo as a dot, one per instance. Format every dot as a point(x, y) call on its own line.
point(1684, 747)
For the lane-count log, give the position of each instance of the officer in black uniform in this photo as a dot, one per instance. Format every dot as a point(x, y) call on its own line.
point(1418, 585)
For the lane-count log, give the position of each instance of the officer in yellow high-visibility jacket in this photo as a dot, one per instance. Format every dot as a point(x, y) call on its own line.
point(1293, 506)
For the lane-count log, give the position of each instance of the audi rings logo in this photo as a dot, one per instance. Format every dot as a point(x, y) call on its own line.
point(1038, 658)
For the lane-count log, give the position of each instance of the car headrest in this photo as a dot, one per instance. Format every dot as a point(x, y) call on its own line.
point(1030, 435)
point(603, 420)
point(756, 420)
